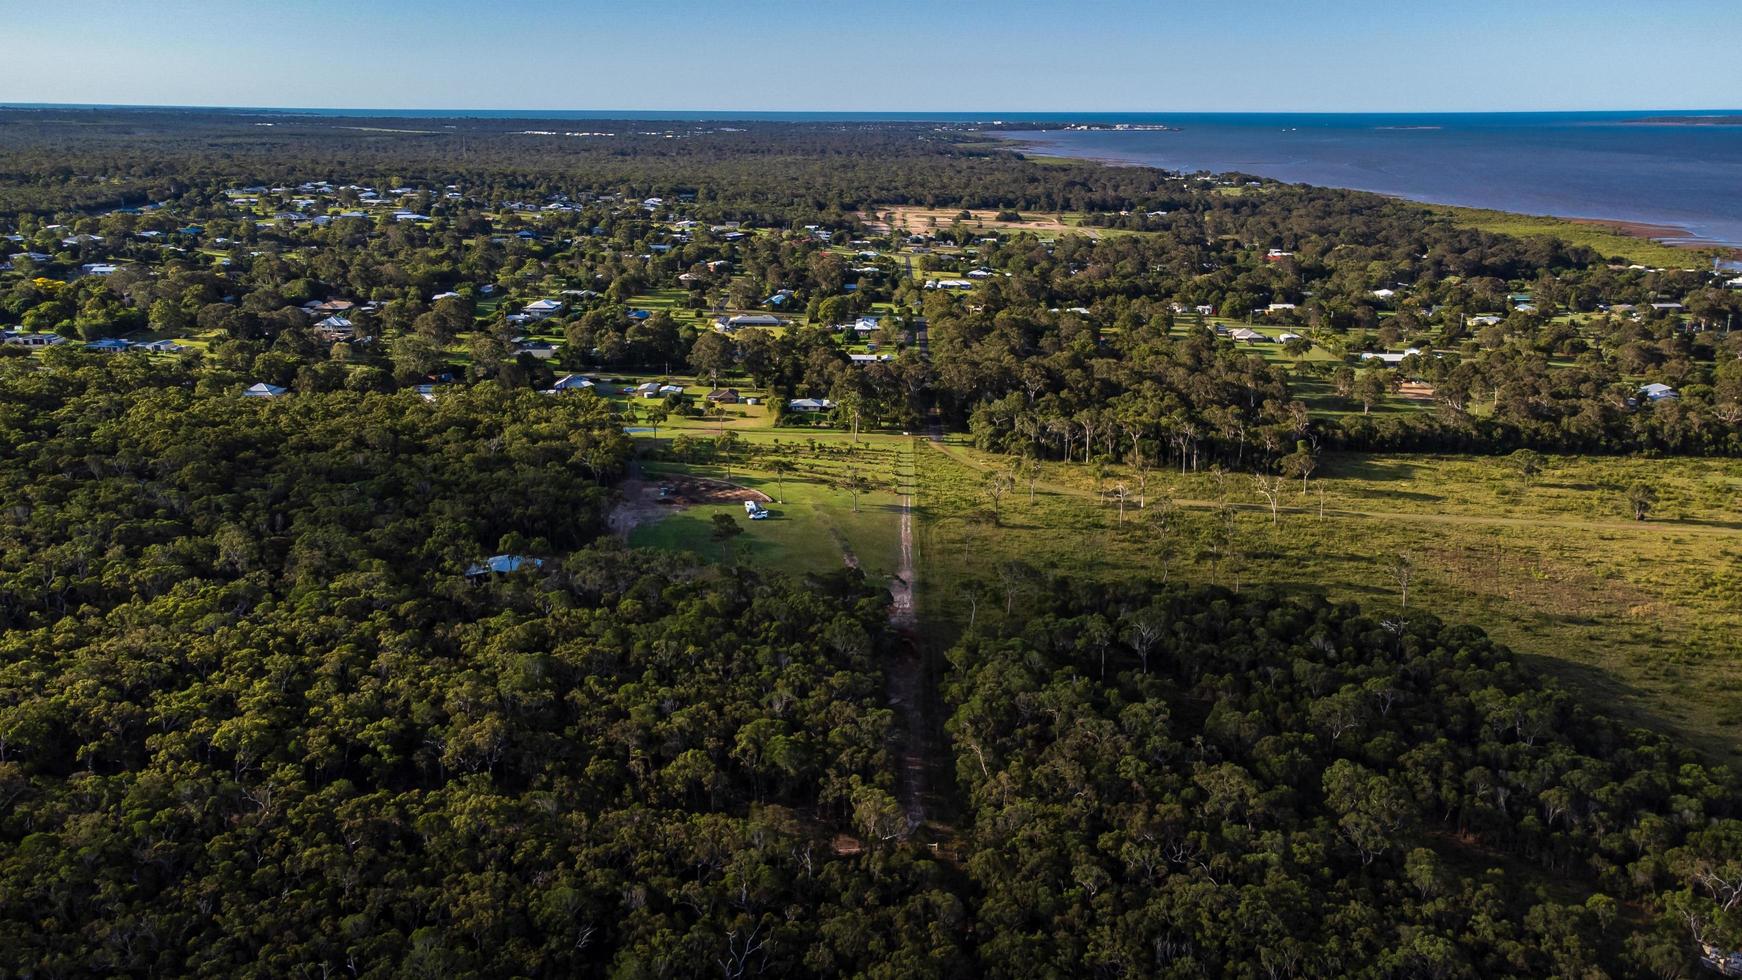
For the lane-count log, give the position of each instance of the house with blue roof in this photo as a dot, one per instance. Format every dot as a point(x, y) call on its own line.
point(503, 565)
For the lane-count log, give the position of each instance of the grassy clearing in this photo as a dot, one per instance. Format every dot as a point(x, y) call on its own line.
point(1644, 619)
point(1604, 240)
point(912, 219)
point(813, 524)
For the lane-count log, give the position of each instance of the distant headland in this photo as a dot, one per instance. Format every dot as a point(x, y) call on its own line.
point(1732, 120)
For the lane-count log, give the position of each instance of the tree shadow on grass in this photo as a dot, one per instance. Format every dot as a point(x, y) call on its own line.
point(1376, 469)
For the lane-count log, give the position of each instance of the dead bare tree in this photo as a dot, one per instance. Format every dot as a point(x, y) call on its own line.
point(1269, 486)
point(1402, 568)
point(1119, 492)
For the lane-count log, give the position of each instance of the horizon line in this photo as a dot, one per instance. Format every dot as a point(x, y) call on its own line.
point(628, 113)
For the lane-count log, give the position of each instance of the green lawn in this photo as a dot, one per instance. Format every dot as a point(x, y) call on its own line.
point(813, 525)
point(1644, 618)
point(1607, 242)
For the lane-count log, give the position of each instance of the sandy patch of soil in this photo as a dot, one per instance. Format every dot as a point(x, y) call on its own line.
point(647, 500)
point(916, 220)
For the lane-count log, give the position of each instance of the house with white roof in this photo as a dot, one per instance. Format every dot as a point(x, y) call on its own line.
point(572, 382)
point(544, 350)
point(750, 320)
point(32, 339)
point(336, 328)
point(1389, 357)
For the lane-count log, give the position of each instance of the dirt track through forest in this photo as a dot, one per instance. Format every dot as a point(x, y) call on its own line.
point(921, 749)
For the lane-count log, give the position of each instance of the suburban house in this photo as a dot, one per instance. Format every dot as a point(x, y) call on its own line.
point(261, 389)
point(1248, 336)
point(724, 396)
point(810, 405)
point(110, 345)
point(1387, 357)
point(572, 382)
point(32, 339)
point(162, 347)
point(749, 320)
point(502, 565)
point(1724, 962)
point(542, 309)
point(544, 350)
point(1657, 391)
point(335, 328)
point(332, 307)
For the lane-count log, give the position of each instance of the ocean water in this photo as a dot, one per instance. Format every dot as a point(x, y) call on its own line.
point(1571, 164)
point(1576, 165)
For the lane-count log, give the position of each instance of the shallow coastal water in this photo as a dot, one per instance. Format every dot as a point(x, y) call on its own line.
point(1582, 165)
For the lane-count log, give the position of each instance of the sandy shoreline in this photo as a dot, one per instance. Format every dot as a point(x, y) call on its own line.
point(1666, 234)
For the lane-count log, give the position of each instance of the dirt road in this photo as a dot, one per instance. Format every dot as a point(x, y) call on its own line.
point(908, 683)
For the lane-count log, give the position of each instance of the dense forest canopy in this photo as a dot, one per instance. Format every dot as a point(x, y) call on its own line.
point(352, 678)
point(1207, 784)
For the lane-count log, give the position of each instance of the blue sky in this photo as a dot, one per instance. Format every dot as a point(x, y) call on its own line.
point(880, 55)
